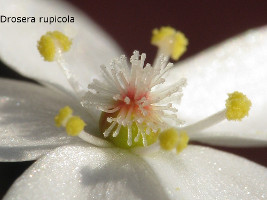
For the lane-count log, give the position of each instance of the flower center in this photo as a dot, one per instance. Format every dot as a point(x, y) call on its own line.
point(134, 102)
point(130, 101)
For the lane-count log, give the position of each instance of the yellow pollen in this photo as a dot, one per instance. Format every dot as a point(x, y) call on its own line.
point(179, 45)
point(74, 126)
point(183, 142)
point(162, 33)
point(48, 44)
point(63, 114)
point(171, 42)
point(168, 139)
point(171, 139)
point(237, 106)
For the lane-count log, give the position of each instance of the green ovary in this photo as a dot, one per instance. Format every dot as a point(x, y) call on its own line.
point(121, 139)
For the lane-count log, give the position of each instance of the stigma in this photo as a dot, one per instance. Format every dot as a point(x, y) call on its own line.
point(133, 100)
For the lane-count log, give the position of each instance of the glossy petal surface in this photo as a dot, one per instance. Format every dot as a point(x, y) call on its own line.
point(18, 43)
point(204, 173)
point(238, 64)
point(84, 172)
point(27, 120)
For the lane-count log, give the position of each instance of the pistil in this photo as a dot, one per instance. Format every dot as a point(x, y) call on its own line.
point(51, 46)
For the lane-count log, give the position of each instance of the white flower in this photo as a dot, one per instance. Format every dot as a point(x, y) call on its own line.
point(83, 171)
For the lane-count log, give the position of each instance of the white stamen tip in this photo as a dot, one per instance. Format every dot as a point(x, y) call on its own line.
point(127, 100)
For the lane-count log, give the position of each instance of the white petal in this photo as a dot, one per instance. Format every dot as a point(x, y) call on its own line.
point(18, 41)
point(223, 136)
point(239, 64)
point(27, 120)
point(204, 173)
point(84, 172)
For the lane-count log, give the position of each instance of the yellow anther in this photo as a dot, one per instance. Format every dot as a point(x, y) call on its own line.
point(171, 42)
point(183, 142)
point(50, 42)
point(168, 139)
point(63, 114)
point(171, 139)
point(179, 45)
point(63, 40)
point(74, 126)
point(237, 106)
point(160, 34)
point(46, 47)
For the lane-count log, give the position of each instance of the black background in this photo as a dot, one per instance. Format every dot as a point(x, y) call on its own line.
point(204, 22)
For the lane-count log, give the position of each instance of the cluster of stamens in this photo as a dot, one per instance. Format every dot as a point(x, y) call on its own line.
point(133, 95)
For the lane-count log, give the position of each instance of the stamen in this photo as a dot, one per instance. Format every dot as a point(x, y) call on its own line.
point(171, 139)
point(94, 140)
point(63, 116)
point(50, 42)
point(237, 107)
point(168, 139)
point(207, 122)
point(170, 42)
point(182, 142)
point(75, 125)
point(51, 46)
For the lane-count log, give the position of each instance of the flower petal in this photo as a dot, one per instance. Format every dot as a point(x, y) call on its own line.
point(239, 64)
point(84, 172)
point(27, 120)
point(18, 42)
point(205, 173)
point(222, 135)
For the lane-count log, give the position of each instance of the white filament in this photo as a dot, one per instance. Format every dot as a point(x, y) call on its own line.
point(72, 79)
point(94, 140)
point(206, 123)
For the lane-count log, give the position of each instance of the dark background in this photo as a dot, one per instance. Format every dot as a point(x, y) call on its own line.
point(204, 22)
